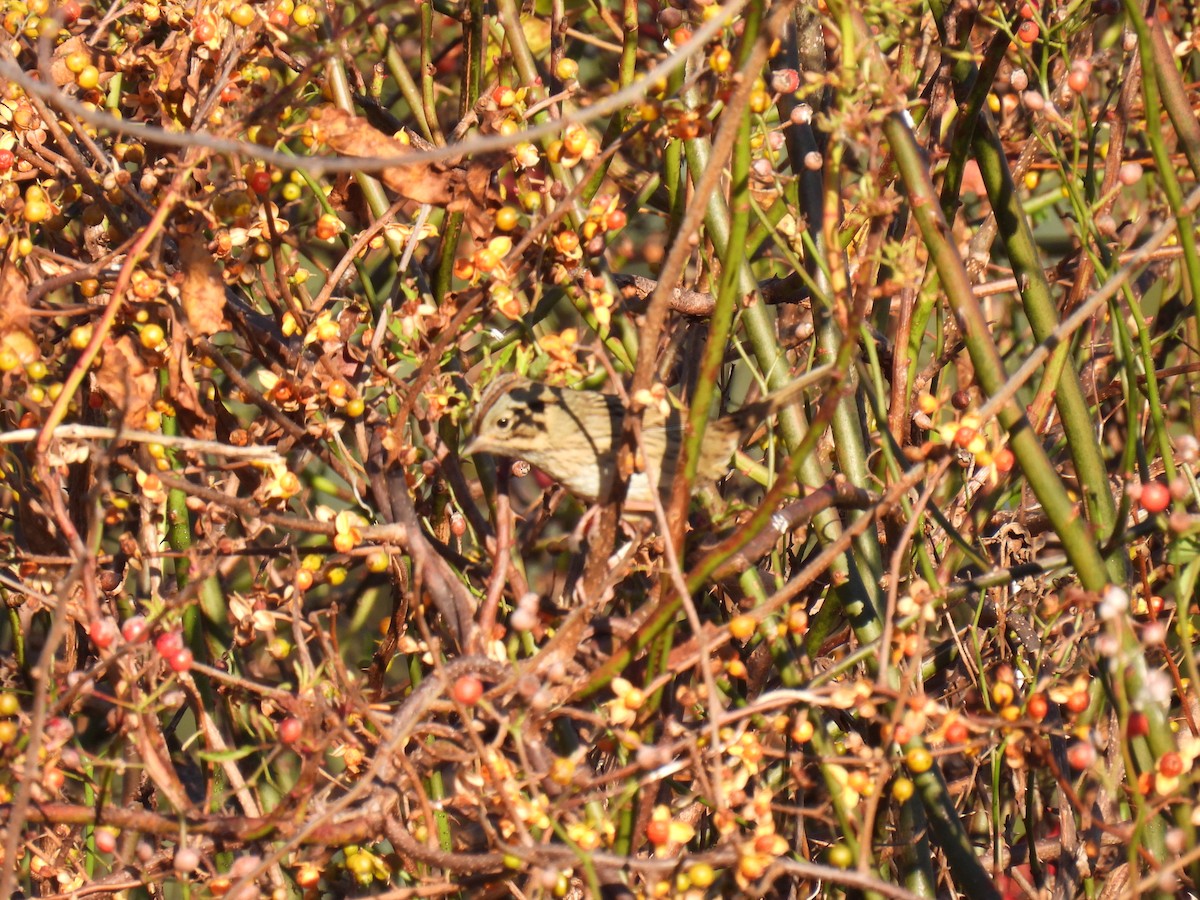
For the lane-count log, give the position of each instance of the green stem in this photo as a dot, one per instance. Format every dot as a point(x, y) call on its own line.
point(1079, 545)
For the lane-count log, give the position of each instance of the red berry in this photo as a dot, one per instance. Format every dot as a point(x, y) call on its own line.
point(1171, 764)
point(1038, 707)
point(658, 831)
point(1079, 701)
point(1003, 460)
point(1028, 32)
point(181, 661)
point(1027, 11)
point(1155, 497)
point(956, 732)
point(103, 632)
point(785, 81)
point(70, 12)
point(467, 690)
point(1081, 755)
point(135, 629)
point(1139, 725)
point(1078, 80)
point(290, 730)
point(260, 182)
point(106, 840)
point(6, 160)
point(204, 30)
point(169, 643)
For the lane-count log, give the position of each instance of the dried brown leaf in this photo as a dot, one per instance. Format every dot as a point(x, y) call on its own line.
point(126, 381)
point(15, 334)
point(203, 291)
point(155, 758)
point(354, 136)
point(183, 391)
point(58, 66)
point(457, 187)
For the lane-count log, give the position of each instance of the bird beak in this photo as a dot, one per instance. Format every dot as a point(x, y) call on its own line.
point(472, 447)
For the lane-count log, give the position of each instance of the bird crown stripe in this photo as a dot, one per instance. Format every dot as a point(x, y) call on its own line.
point(494, 391)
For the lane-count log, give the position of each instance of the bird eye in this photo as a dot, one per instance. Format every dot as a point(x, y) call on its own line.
point(502, 423)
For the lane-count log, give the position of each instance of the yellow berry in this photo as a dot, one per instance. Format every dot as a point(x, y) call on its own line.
point(81, 336)
point(88, 77)
point(507, 218)
point(567, 69)
point(151, 336)
point(918, 760)
point(36, 211)
point(1002, 693)
point(701, 875)
point(242, 14)
point(902, 789)
point(76, 62)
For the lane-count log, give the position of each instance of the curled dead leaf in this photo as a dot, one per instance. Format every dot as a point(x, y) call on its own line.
point(126, 381)
point(184, 392)
point(15, 334)
point(59, 71)
point(203, 291)
point(459, 186)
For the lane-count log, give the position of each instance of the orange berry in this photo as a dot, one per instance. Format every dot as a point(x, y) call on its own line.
point(1038, 707)
point(742, 628)
point(468, 689)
